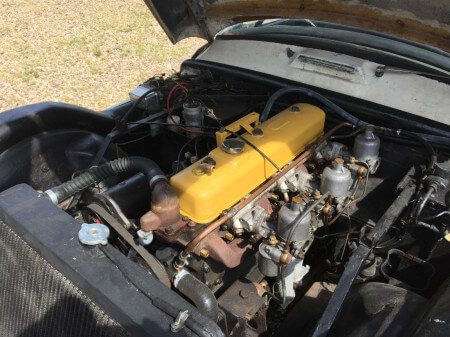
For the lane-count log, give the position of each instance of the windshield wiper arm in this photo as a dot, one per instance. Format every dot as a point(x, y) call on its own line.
point(382, 69)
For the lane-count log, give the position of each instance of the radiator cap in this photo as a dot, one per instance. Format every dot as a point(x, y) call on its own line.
point(92, 234)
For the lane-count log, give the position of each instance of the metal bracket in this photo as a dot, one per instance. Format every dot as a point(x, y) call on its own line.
point(248, 123)
point(180, 320)
point(357, 259)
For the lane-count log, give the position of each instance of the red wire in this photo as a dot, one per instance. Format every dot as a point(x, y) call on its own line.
point(175, 88)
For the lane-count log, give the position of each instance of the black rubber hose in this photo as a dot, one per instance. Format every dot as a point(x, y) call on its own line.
point(197, 323)
point(310, 93)
point(97, 174)
point(268, 80)
point(427, 145)
point(417, 138)
point(199, 294)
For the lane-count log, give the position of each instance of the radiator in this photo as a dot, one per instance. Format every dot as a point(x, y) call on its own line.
point(51, 285)
point(37, 300)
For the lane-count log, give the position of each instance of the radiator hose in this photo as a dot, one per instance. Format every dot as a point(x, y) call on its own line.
point(198, 293)
point(97, 174)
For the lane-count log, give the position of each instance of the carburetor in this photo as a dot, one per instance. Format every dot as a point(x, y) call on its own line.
point(333, 188)
point(336, 180)
point(284, 215)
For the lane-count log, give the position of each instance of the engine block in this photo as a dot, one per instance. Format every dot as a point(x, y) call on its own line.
point(218, 181)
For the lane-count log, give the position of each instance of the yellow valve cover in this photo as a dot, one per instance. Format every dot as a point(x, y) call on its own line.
point(204, 194)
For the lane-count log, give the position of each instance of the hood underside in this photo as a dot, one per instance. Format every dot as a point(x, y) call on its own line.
point(417, 20)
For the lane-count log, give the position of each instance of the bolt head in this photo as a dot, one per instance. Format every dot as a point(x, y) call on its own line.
point(328, 209)
point(257, 132)
point(285, 258)
point(243, 293)
point(229, 236)
point(297, 199)
point(272, 241)
point(168, 230)
point(204, 253)
point(447, 237)
point(198, 171)
point(362, 171)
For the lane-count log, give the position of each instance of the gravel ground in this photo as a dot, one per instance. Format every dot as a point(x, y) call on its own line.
point(84, 52)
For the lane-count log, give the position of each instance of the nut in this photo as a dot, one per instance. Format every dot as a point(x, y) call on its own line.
point(238, 232)
point(447, 236)
point(339, 161)
point(362, 171)
point(297, 199)
point(198, 171)
point(273, 196)
point(204, 253)
point(229, 236)
point(285, 258)
point(272, 240)
point(327, 210)
point(317, 195)
point(261, 288)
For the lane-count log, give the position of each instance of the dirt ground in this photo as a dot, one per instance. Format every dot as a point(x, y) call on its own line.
point(89, 53)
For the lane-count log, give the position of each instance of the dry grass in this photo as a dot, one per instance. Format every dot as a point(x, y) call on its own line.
point(84, 52)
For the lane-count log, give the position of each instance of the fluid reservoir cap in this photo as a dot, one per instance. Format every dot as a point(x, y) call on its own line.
point(233, 145)
point(92, 234)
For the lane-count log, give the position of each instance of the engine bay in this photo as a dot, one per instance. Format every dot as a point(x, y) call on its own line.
point(250, 201)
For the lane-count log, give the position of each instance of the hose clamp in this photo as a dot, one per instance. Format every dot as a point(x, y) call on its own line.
point(52, 196)
point(178, 276)
point(155, 179)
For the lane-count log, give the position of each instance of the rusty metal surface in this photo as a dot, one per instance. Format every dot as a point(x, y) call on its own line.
point(241, 302)
point(229, 254)
point(414, 20)
point(164, 209)
point(181, 233)
point(427, 22)
point(305, 314)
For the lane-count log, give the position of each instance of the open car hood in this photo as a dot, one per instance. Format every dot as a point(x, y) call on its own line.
point(417, 20)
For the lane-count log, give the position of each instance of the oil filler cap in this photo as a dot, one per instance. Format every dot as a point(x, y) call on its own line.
point(233, 145)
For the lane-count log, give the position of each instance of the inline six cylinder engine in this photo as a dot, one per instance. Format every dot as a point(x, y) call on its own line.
point(281, 216)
